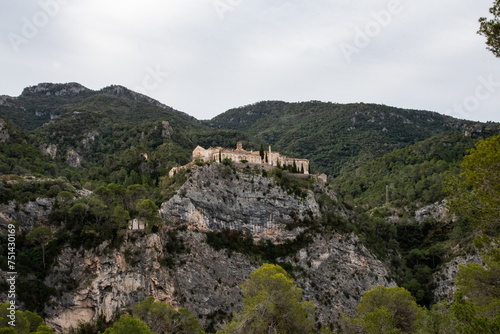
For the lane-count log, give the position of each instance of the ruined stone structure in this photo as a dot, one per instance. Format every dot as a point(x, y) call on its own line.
point(136, 224)
point(218, 154)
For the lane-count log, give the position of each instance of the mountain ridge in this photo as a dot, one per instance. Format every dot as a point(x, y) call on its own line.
point(41, 103)
point(336, 138)
point(350, 133)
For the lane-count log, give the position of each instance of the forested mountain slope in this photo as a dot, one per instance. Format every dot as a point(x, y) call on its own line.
point(78, 166)
point(412, 176)
point(335, 137)
point(124, 129)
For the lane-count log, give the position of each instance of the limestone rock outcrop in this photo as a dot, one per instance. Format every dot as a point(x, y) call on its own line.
point(338, 270)
point(445, 277)
point(335, 271)
point(73, 159)
point(177, 265)
point(89, 138)
point(4, 132)
point(167, 130)
point(217, 197)
point(28, 214)
point(49, 149)
point(101, 281)
point(437, 211)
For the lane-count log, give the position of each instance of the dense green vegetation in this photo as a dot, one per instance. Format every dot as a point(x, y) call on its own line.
point(335, 137)
point(476, 306)
point(127, 151)
point(20, 154)
point(14, 321)
point(273, 304)
point(413, 176)
point(396, 185)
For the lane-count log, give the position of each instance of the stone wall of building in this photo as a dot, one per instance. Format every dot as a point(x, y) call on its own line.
point(218, 154)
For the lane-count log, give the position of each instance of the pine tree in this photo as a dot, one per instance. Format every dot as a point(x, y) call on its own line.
point(273, 304)
point(40, 235)
point(490, 28)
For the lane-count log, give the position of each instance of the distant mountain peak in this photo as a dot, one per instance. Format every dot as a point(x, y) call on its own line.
point(56, 89)
point(8, 101)
point(121, 91)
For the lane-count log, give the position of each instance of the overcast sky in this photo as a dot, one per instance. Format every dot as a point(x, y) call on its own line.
point(204, 57)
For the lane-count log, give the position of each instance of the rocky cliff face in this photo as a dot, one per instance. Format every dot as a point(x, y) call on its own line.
point(55, 89)
point(445, 277)
point(103, 281)
point(438, 211)
point(335, 270)
point(27, 214)
point(179, 267)
point(217, 197)
point(73, 159)
point(4, 132)
point(49, 149)
point(167, 130)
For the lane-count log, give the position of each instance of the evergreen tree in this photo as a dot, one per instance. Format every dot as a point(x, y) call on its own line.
point(272, 305)
point(128, 325)
point(261, 152)
point(163, 318)
point(386, 310)
point(491, 29)
point(40, 235)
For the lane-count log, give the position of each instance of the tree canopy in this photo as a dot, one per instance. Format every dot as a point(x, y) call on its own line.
point(25, 322)
point(127, 325)
point(272, 305)
point(163, 318)
point(386, 310)
point(490, 28)
point(476, 194)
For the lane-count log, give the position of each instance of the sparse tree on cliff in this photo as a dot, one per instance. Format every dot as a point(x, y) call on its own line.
point(40, 235)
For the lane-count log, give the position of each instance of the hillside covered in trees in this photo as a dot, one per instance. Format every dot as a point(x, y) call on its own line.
point(76, 166)
point(335, 137)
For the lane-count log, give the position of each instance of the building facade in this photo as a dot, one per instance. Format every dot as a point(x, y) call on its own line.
point(218, 154)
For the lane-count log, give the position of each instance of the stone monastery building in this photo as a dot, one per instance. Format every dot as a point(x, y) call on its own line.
point(218, 154)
